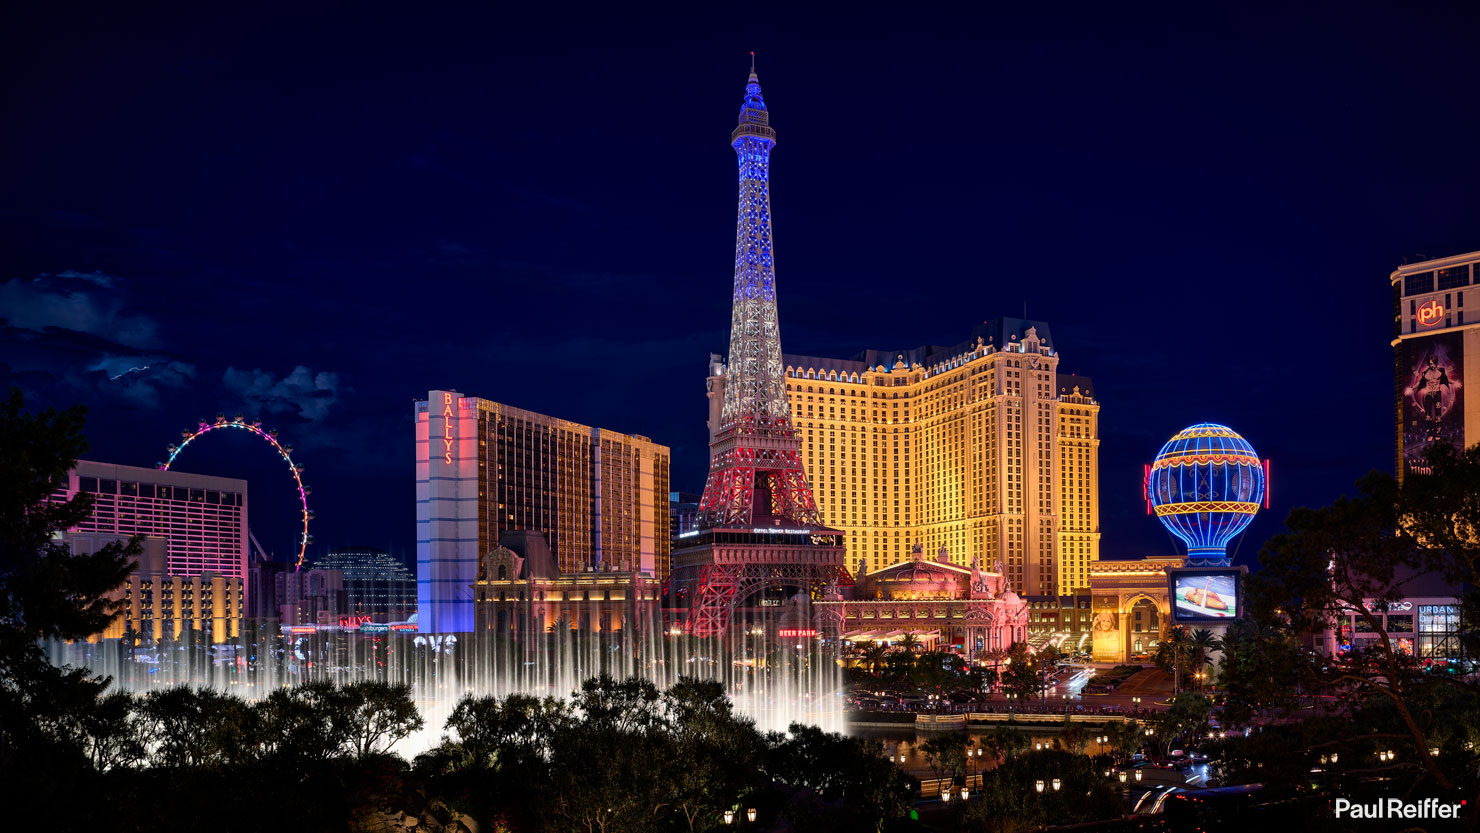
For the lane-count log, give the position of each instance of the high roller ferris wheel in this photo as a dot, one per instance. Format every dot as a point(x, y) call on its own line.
point(283, 449)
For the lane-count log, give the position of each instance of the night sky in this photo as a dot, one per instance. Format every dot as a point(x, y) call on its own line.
point(315, 218)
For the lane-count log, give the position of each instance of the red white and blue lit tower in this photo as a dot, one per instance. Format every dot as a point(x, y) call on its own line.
point(1205, 487)
point(758, 525)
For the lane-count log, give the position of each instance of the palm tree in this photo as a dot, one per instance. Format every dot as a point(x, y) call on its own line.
point(1202, 643)
point(561, 623)
point(909, 642)
point(874, 654)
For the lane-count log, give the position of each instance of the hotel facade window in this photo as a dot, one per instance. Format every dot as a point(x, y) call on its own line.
point(982, 448)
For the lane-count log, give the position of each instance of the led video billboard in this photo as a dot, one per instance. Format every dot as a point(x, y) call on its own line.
point(1205, 595)
point(1433, 405)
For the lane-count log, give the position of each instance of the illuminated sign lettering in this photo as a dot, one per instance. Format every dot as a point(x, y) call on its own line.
point(1430, 313)
point(303, 629)
point(796, 632)
point(367, 627)
point(353, 621)
point(404, 626)
point(449, 428)
point(437, 642)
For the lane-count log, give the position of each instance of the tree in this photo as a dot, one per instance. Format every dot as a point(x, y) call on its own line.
point(858, 784)
point(946, 755)
point(1126, 736)
point(909, 642)
point(1344, 559)
point(873, 656)
point(380, 715)
point(1203, 643)
point(1001, 742)
point(1261, 670)
point(46, 591)
point(1009, 798)
point(304, 725)
point(1184, 720)
point(1021, 676)
point(197, 728)
point(715, 755)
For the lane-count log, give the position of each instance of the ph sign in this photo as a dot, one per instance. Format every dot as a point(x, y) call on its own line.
point(1430, 313)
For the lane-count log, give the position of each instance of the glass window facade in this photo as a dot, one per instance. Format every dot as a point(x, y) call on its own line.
point(1453, 277)
point(1438, 627)
point(1418, 283)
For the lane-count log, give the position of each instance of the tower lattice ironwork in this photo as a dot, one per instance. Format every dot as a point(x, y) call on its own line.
point(758, 523)
point(755, 468)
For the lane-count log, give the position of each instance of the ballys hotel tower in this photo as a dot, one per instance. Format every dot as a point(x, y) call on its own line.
point(983, 448)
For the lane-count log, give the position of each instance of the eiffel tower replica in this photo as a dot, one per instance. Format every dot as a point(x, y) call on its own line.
point(758, 533)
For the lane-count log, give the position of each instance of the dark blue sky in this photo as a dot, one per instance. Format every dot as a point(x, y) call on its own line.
point(317, 218)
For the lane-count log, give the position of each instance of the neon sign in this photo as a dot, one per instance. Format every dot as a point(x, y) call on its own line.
point(353, 621)
point(796, 632)
point(449, 433)
point(1430, 313)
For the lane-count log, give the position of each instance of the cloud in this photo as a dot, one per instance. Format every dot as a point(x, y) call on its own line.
point(304, 392)
point(81, 302)
point(141, 379)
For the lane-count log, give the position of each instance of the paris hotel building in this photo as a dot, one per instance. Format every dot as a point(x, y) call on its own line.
point(599, 497)
point(983, 448)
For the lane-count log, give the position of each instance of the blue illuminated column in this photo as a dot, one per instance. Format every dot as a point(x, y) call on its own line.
point(446, 512)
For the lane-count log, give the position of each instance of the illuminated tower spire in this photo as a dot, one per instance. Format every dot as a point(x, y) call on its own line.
point(758, 528)
point(755, 472)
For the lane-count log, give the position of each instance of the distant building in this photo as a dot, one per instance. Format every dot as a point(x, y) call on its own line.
point(1436, 355)
point(375, 584)
point(1131, 608)
point(310, 597)
point(1063, 621)
point(983, 447)
point(200, 524)
point(484, 468)
point(203, 519)
point(683, 512)
point(1426, 622)
point(161, 606)
point(519, 591)
point(970, 610)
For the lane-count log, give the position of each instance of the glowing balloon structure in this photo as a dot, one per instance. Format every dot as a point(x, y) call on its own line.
point(1204, 487)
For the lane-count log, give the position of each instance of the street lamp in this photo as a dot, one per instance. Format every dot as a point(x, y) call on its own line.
point(1039, 785)
point(1056, 784)
point(729, 817)
point(750, 814)
point(965, 793)
point(1334, 756)
point(1122, 777)
point(945, 795)
point(1138, 776)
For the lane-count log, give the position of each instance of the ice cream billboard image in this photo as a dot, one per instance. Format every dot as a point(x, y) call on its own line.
point(1204, 595)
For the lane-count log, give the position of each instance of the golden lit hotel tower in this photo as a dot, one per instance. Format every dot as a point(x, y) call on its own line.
point(482, 468)
point(983, 448)
point(1436, 355)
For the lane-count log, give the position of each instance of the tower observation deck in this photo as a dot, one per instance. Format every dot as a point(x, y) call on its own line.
point(758, 529)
